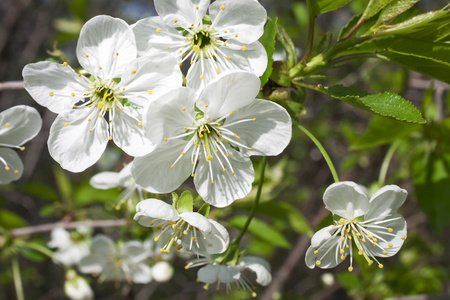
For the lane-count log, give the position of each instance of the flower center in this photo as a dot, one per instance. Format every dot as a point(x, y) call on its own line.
point(174, 232)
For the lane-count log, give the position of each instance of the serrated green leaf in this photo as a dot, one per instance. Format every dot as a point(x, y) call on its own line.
point(268, 41)
point(373, 8)
point(386, 104)
point(323, 6)
point(185, 203)
point(394, 9)
point(10, 220)
point(346, 29)
point(262, 231)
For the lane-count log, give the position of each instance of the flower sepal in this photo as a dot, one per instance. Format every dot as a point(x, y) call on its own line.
point(184, 203)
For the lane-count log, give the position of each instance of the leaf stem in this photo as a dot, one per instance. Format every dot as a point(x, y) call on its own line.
point(255, 204)
point(321, 149)
point(386, 161)
point(36, 247)
point(17, 278)
point(310, 40)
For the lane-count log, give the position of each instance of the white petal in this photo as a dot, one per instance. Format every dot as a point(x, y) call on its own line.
point(320, 236)
point(19, 124)
point(103, 244)
point(73, 146)
point(141, 273)
point(214, 273)
point(78, 289)
point(165, 117)
point(386, 200)
point(60, 238)
point(227, 187)
point(153, 172)
point(346, 200)
point(269, 134)
point(125, 175)
point(219, 239)
point(102, 249)
point(128, 135)
point(154, 209)
point(14, 164)
point(186, 12)
point(134, 252)
point(198, 221)
point(328, 254)
point(92, 264)
point(147, 78)
point(244, 18)
point(73, 254)
point(200, 74)
point(154, 36)
point(261, 268)
point(228, 93)
point(105, 180)
point(44, 79)
point(109, 44)
point(253, 59)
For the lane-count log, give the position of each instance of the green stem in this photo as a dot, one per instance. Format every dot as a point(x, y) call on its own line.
point(310, 40)
point(36, 247)
point(255, 204)
point(386, 161)
point(322, 150)
point(17, 278)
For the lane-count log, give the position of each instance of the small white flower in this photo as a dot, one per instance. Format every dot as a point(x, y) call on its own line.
point(112, 263)
point(76, 287)
point(233, 277)
point(18, 125)
point(190, 230)
point(372, 225)
point(72, 247)
point(211, 138)
point(108, 104)
point(162, 271)
point(229, 41)
point(122, 179)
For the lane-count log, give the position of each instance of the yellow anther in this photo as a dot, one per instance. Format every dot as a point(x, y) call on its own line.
point(385, 252)
point(350, 269)
point(90, 130)
point(161, 250)
point(360, 253)
point(375, 240)
point(51, 94)
point(217, 70)
point(159, 225)
point(224, 170)
point(206, 105)
point(390, 245)
point(117, 53)
point(73, 94)
point(316, 251)
point(254, 119)
point(348, 230)
point(235, 35)
point(179, 247)
point(149, 92)
point(184, 108)
point(403, 237)
point(222, 7)
point(110, 138)
point(65, 124)
point(168, 48)
point(7, 124)
point(196, 7)
point(140, 123)
point(390, 229)
point(65, 64)
point(185, 232)
point(174, 226)
point(374, 244)
point(352, 219)
point(342, 251)
point(228, 57)
point(89, 120)
point(192, 175)
point(318, 262)
point(225, 31)
point(363, 240)
point(342, 239)
point(87, 56)
point(158, 30)
point(22, 149)
point(16, 172)
point(100, 68)
point(151, 223)
point(224, 44)
point(171, 166)
point(254, 295)
point(193, 238)
point(346, 246)
point(79, 75)
point(244, 48)
point(380, 266)
point(175, 20)
point(342, 221)
point(133, 72)
point(370, 235)
point(182, 153)
point(165, 139)
point(212, 182)
point(7, 168)
point(231, 114)
point(201, 76)
point(343, 257)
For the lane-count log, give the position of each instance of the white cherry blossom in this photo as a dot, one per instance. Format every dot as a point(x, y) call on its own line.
point(72, 247)
point(371, 224)
point(108, 104)
point(18, 125)
point(188, 230)
point(210, 137)
point(117, 263)
point(228, 41)
point(76, 287)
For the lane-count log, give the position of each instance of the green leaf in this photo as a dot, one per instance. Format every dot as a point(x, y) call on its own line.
point(185, 203)
point(204, 210)
point(174, 199)
point(63, 182)
point(288, 213)
point(40, 190)
point(262, 231)
point(346, 29)
point(432, 185)
point(380, 133)
point(268, 41)
point(33, 254)
point(87, 195)
point(323, 6)
point(394, 9)
point(373, 8)
point(387, 104)
point(10, 220)
point(288, 45)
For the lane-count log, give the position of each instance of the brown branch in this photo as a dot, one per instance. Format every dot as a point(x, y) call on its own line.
point(66, 225)
point(11, 85)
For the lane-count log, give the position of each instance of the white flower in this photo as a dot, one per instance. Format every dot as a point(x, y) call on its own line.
point(372, 225)
point(72, 247)
point(188, 229)
point(76, 287)
point(108, 104)
point(122, 179)
point(229, 41)
point(117, 263)
point(18, 125)
point(212, 137)
point(233, 277)
point(162, 271)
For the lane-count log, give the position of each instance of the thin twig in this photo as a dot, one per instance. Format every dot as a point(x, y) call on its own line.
point(11, 85)
point(66, 225)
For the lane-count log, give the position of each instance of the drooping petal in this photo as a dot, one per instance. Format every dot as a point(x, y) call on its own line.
point(125, 175)
point(214, 273)
point(73, 254)
point(260, 267)
point(60, 238)
point(328, 254)
point(105, 180)
point(134, 252)
point(102, 248)
point(322, 235)
point(228, 93)
point(346, 199)
point(141, 273)
point(18, 125)
point(253, 59)
point(154, 173)
point(198, 221)
point(245, 19)
point(106, 46)
point(154, 36)
point(129, 135)
point(153, 209)
point(147, 78)
point(92, 264)
point(181, 13)
point(54, 86)
point(218, 240)
point(227, 186)
point(103, 244)
point(167, 116)
point(385, 201)
point(269, 134)
point(70, 142)
point(13, 168)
